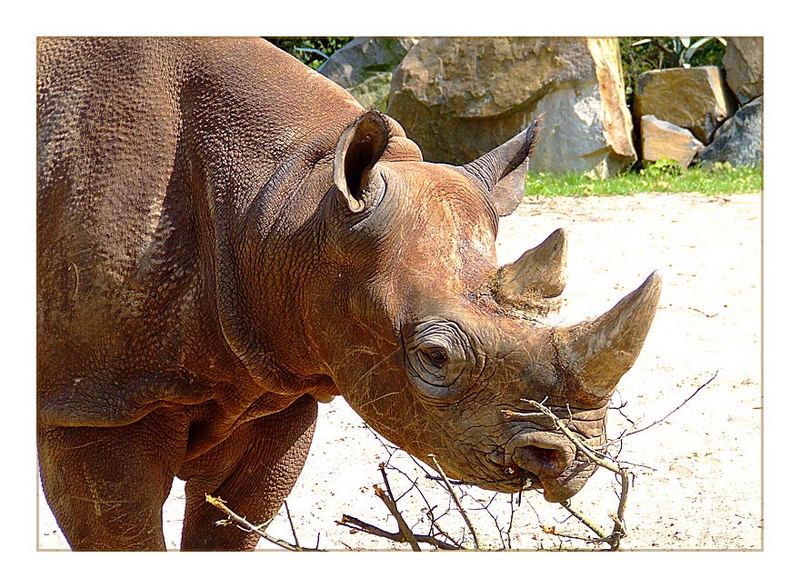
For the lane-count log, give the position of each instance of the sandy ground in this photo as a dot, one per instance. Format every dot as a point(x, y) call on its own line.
point(701, 487)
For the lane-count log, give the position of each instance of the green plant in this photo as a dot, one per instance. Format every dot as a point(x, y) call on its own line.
point(313, 51)
point(661, 168)
point(639, 55)
point(659, 177)
point(677, 51)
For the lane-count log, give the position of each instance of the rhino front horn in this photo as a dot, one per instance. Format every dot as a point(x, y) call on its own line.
point(537, 274)
point(599, 352)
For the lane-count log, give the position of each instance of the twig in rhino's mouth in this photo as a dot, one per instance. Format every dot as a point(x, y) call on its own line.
point(604, 461)
point(576, 413)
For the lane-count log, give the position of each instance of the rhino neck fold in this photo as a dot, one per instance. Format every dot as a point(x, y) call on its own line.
point(263, 254)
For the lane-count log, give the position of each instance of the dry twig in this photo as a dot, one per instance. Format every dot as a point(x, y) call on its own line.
point(704, 313)
point(249, 527)
point(404, 533)
point(359, 525)
point(674, 410)
point(457, 501)
point(387, 498)
point(613, 539)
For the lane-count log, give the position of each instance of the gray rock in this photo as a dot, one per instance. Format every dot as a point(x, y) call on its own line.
point(663, 140)
point(695, 98)
point(738, 141)
point(364, 67)
point(373, 93)
point(744, 67)
point(572, 138)
point(460, 97)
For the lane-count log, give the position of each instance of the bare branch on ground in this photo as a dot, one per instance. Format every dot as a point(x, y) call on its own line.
point(249, 527)
point(457, 501)
point(387, 498)
point(359, 525)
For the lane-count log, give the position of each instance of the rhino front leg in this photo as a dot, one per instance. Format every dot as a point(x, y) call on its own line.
point(253, 472)
point(106, 486)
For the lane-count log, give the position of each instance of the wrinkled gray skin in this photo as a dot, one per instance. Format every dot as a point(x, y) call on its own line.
point(226, 238)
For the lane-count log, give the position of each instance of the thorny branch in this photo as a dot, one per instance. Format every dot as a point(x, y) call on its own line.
point(388, 499)
point(391, 451)
point(359, 525)
point(404, 534)
point(612, 464)
point(429, 508)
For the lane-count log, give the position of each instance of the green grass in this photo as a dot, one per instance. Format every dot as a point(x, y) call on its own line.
point(659, 177)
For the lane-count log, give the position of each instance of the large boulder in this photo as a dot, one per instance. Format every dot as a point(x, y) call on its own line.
point(738, 141)
point(694, 98)
point(364, 67)
point(664, 140)
point(744, 67)
point(460, 97)
point(373, 93)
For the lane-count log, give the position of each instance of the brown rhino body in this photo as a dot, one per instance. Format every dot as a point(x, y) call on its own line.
point(226, 238)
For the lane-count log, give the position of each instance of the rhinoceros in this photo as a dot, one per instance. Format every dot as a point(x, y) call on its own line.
point(226, 239)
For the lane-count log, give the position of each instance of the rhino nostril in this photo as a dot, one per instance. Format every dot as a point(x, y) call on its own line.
point(546, 455)
point(542, 461)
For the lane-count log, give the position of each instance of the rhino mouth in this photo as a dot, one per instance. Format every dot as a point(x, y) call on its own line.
point(561, 487)
point(555, 488)
point(546, 461)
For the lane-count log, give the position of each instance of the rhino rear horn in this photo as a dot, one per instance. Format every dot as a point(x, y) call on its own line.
point(357, 151)
point(599, 352)
point(502, 171)
point(538, 273)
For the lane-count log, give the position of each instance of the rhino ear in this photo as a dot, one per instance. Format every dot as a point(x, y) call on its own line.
point(502, 171)
point(358, 149)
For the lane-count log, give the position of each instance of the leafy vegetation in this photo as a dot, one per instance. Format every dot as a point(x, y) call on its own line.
point(313, 51)
point(662, 176)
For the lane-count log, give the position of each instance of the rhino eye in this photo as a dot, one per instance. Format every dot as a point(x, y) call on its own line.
point(439, 358)
point(436, 356)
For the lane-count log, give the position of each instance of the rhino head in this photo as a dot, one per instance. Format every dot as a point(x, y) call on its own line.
point(436, 347)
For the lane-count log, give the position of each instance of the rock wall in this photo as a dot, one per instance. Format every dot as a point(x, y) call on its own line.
point(744, 67)
point(460, 97)
point(364, 67)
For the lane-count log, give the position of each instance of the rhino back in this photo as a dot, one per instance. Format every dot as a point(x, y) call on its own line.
point(151, 154)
